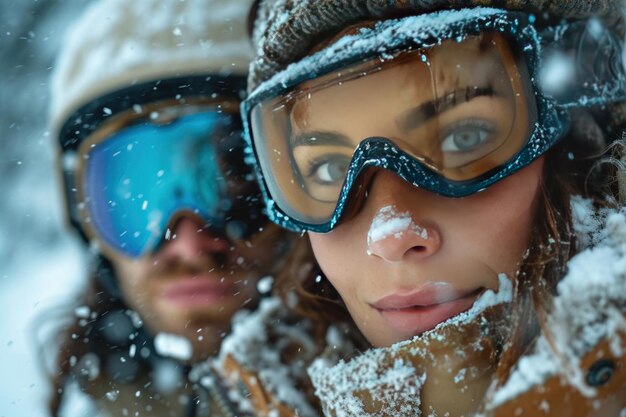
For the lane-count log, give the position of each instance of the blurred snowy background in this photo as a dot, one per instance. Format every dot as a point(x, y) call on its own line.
point(41, 263)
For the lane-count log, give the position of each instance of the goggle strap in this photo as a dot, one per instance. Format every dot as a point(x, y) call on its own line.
point(587, 58)
point(84, 121)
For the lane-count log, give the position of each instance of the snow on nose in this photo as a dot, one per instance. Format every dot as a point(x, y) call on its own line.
point(388, 222)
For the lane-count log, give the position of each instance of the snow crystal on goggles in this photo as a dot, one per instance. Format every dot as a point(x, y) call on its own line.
point(142, 168)
point(451, 102)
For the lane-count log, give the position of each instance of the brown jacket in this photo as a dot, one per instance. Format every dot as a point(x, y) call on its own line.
point(576, 368)
point(605, 372)
point(262, 366)
point(603, 369)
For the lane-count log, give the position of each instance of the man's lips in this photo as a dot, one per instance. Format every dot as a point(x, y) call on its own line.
point(414, 313)
point(197, 290)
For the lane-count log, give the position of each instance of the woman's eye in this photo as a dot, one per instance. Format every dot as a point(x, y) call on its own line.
point(329, 171)
point(465, 139)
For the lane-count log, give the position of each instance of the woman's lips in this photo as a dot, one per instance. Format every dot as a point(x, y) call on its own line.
point(415, 313)
point(197, 291)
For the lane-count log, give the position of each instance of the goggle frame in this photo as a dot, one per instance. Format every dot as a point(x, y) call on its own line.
point(551, 124)
point(88, 120)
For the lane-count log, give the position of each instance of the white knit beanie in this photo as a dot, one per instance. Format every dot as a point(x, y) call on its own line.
point(119, 43)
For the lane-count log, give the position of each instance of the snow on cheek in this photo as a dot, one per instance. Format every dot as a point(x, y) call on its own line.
point(389, 222)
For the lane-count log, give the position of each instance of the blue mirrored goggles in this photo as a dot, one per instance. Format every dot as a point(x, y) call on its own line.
point(145, 167)
point(452, 102)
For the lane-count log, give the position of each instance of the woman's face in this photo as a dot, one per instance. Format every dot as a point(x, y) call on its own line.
point(410, 259)
point(407, 283)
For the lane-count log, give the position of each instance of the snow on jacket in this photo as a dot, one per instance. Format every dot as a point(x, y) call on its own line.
point(575, 369)
point(262, 366)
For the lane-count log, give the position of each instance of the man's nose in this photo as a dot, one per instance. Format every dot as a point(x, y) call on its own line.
point(401, 225)
point(187, 238)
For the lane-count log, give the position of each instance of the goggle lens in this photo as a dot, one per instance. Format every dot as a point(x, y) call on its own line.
point(138, 178)
point(461, 108)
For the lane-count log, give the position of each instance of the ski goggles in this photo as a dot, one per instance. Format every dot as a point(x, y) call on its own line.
point(144, 167)
point(451, 102)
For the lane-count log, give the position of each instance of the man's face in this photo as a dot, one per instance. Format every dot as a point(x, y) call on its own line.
point(196, 281)
point(167, 196)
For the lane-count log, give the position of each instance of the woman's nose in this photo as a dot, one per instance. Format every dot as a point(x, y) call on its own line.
point(187, 239)
point(401, 224)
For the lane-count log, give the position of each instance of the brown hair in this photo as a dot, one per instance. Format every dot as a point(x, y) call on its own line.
point(575, 167)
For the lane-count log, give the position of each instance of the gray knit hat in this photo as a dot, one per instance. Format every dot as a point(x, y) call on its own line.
point(285, 30)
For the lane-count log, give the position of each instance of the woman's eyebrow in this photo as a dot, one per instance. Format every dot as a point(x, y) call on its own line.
point(415, 117)
point(319, 138)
